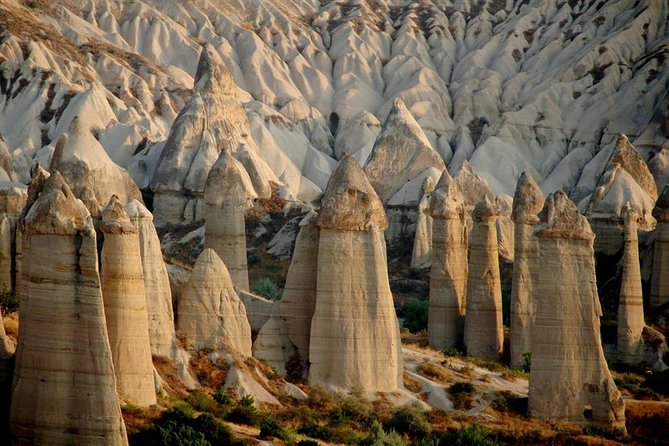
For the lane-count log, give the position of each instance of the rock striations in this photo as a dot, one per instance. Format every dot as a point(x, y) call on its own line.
point(632, 330)
point(569, 375)
point(448, 274)
point(211, 315)
point(296, 307)
point(227, 194)
point(273, 345)
point(64, 386)
point(626, 178)
point(125, 306)
point(527, 203)
point(659, 284)
point(421, 255)
point(156, 282)
point(484, 334)
point(401, 152)
point(213, 119)
point(354, 332)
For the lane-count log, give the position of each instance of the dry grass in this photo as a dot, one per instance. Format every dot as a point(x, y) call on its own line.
point(167, 369)
point(208, 373)
point(434, 372)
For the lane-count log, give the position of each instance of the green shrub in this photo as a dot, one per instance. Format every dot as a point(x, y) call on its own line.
point(270, 428)
point(461, 392)
point(222, 397)
point(9, 301)
point(506, 401)
point(378, 437)
point(214, 431)
point(244, 412)
point(409, 419)
point(177, 434)
point(267, 288)
point(616, 434)
point(353, 407)
point(415, 315)
point(295, 367)
point(527, 362)
point(473, 435)
point(202, 402)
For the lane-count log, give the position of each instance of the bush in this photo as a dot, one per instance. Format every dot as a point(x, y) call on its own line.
point(222, 397)
point(9, 301)
point(214, 431)
point(267, 288)
point(409, 419)
point(245, 413)
point(474, 435)
point(202, 402)
point(270, 428)
point(295, 367)
point(462, 392)
point(506, 401)
point(378, 437)
point(527, 362)
point(415, 315)
point(177, 434)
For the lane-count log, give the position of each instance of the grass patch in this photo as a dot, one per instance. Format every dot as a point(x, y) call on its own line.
point(462, 392)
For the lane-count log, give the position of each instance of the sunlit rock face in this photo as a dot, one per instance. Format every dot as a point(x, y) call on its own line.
point(448, 273)
point(354, 331)
point(569, 371)
point(228, 192)
point(527, 203)
point(124, 296)
point(211, 315)
point(484, 336)
point(64, 386)
point(626, 179)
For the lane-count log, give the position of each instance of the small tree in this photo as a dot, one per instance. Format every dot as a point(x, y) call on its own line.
point(267, 288)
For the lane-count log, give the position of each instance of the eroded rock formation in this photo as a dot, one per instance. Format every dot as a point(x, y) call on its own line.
point(401, 151)
point(298, 302)
point(211, 315)
point(273, 345)
point(156, 282)
point(354, 332)
point(125, 306)
point(227, 194)
point(527, 203)
point(448, 275)
point(64, 385)
point(505, 227)
point(659, 284)
point(570, 378)
point(213, 119)
point(421, 255)
point(484, 336)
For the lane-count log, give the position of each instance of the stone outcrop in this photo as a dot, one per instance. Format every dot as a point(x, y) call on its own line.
point(473, 186)
point(64, 386)
point(448, 274)
point(421, 255)
point(527, 203)
point(659, 284)
point(626, 178)
point(273, 345)
point(156, 282)
point(632, 348)
point(401, 152)
point(85, 165)
point(212, 120)
point(227, 194)
point(570, 379)
point(659, 167)
point(211, 315)
point(505, 227)
point(296, 307)
point(125, 306)
point(484, 336)
point(6, 253)
point(13, 198)
point(354, 332)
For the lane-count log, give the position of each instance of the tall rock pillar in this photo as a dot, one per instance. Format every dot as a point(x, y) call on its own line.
point(227, 193)
point(570, 379)
point(527, 203)
point(355, 338)
point(64, 386)
point(448, 275)
point(659, 284)
point(484, 335)
point(125, 306)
